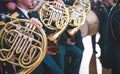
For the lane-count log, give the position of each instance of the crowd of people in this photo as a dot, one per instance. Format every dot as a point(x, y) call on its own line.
point(104, 14)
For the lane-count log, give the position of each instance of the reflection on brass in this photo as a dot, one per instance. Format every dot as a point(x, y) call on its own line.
point(86, 5)
point(55, 17)
point(77, 19)
point(23, 46)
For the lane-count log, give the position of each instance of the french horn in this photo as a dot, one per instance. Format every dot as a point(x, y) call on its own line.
point(77, 19)
point(22, 46)
point(54, 16)
point(86, 5)
point(78, 13)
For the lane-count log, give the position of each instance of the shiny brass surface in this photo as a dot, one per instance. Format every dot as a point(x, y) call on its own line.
point(22, 46)
point(55, 17)
point(86, 5)
point(77, 19)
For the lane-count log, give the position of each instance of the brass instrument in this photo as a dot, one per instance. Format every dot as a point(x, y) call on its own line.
point(38, 5)
point(78, 13)
point(55, 17)
point(22, 46)
point(86, 5)
point(77, 19)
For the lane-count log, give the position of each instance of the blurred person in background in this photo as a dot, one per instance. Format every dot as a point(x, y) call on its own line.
point(110, 57)
point(10, 6)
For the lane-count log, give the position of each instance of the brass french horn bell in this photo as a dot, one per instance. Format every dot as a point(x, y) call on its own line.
point(86, 5)
point(78, 13)
point(22, 46)
point(77, 19)
point(54, 16)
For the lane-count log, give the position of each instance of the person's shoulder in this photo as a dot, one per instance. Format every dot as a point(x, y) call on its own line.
point(115, 10)
point(14, 14)
point(11, 16)
point(114, 14)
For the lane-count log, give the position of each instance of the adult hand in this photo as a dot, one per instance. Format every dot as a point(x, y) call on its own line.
point(51, 53)
point(69, 41)
point(36, 22)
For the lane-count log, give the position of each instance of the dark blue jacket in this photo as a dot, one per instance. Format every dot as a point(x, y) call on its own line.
point(111, 55)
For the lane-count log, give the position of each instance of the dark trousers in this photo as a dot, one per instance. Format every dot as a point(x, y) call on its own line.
point(69, 59)
point(76, 55)
point(60, 58)
point(50, 66)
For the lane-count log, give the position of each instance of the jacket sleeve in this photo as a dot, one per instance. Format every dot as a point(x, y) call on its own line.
point(115, 24)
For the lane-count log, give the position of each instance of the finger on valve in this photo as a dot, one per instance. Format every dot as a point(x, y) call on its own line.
point(36, 22)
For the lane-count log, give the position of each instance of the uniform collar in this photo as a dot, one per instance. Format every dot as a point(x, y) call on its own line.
point(24, 11)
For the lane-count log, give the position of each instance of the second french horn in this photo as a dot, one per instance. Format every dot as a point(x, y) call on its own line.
point(78, 13)
point(55, 17)
point(77, 19)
